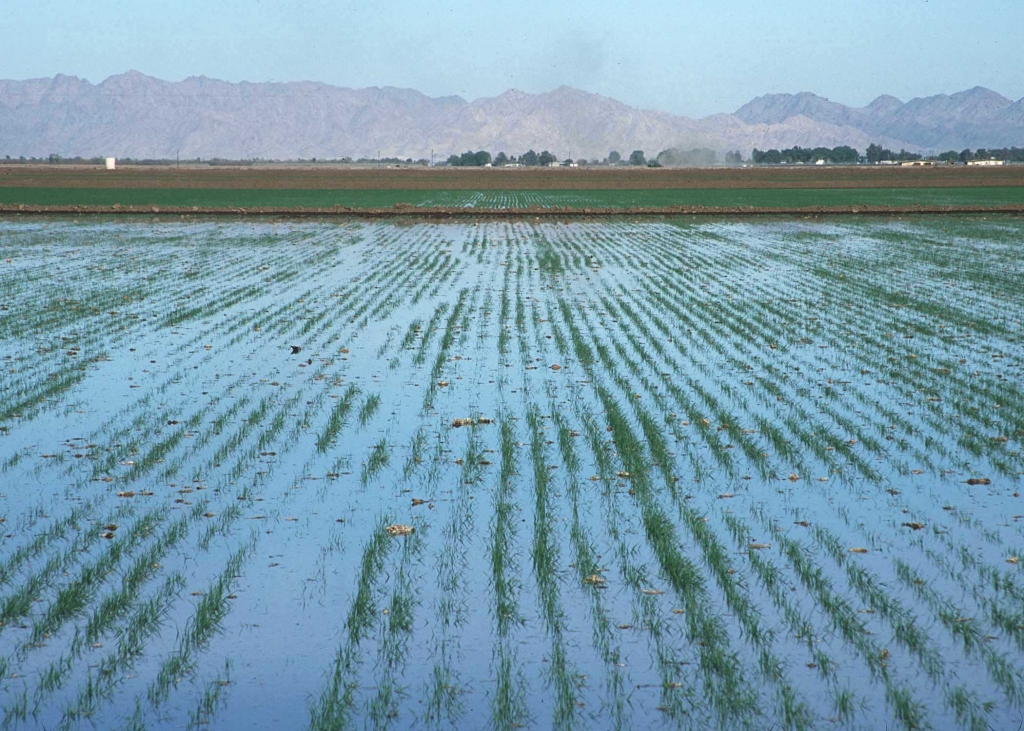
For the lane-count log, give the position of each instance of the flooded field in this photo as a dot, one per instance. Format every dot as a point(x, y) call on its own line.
point(620, 474)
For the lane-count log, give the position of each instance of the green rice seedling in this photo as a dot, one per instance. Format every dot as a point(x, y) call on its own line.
point(210, 701)
point(379, 458)
point(429, 330)
point(73, 598)
point(17, 711)
point(113, 608)
point(1006, 676)
point(334, 705)
point(369, 408)
point(544, 554)
point(417, 450)
point(141, 625)
point(209, 613)
point(338, 418)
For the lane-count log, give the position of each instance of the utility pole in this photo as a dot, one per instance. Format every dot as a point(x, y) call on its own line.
point(431, 158)
point(177, 158)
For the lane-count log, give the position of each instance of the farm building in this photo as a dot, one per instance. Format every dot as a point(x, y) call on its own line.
point(985, 163)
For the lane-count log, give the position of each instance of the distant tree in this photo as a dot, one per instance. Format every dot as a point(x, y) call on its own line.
point(819, 153)
point(653, 163)
point(949, 156)
point(530, 158)
point(768, 157)
point(636, 157)
point(567, 161)
point(843, 155)
point(581, 161)
point(903, 155)
point(546, 158)
point(733, 157)
point(966, 156)
point(482, 158)
point(454, 160)
point(796, 154)
point(614, 157)
point(874, 153)
point(500, 159)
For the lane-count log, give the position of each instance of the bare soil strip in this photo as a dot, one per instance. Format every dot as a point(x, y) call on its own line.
point(344, 178)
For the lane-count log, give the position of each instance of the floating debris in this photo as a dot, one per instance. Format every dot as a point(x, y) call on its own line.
point(858, 550)
point(469, 421)
point(979, 481)
point(913, 525)
point(397, 529)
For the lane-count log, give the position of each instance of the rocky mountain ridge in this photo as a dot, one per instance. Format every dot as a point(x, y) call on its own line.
point(139, 116)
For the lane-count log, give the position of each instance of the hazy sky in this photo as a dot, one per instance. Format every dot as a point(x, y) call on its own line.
point(692, 57)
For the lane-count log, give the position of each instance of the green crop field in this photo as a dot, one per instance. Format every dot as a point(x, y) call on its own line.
point(618, 474)
point(722, 197)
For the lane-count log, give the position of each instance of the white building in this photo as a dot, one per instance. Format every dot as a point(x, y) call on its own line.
point(985, 163)
point(111, 163)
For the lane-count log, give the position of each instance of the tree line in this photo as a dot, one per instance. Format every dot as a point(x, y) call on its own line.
point(637, 158)
point(791, 155)
point(1009, 154)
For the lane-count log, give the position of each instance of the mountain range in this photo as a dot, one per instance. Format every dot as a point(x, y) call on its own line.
point(138, 116)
